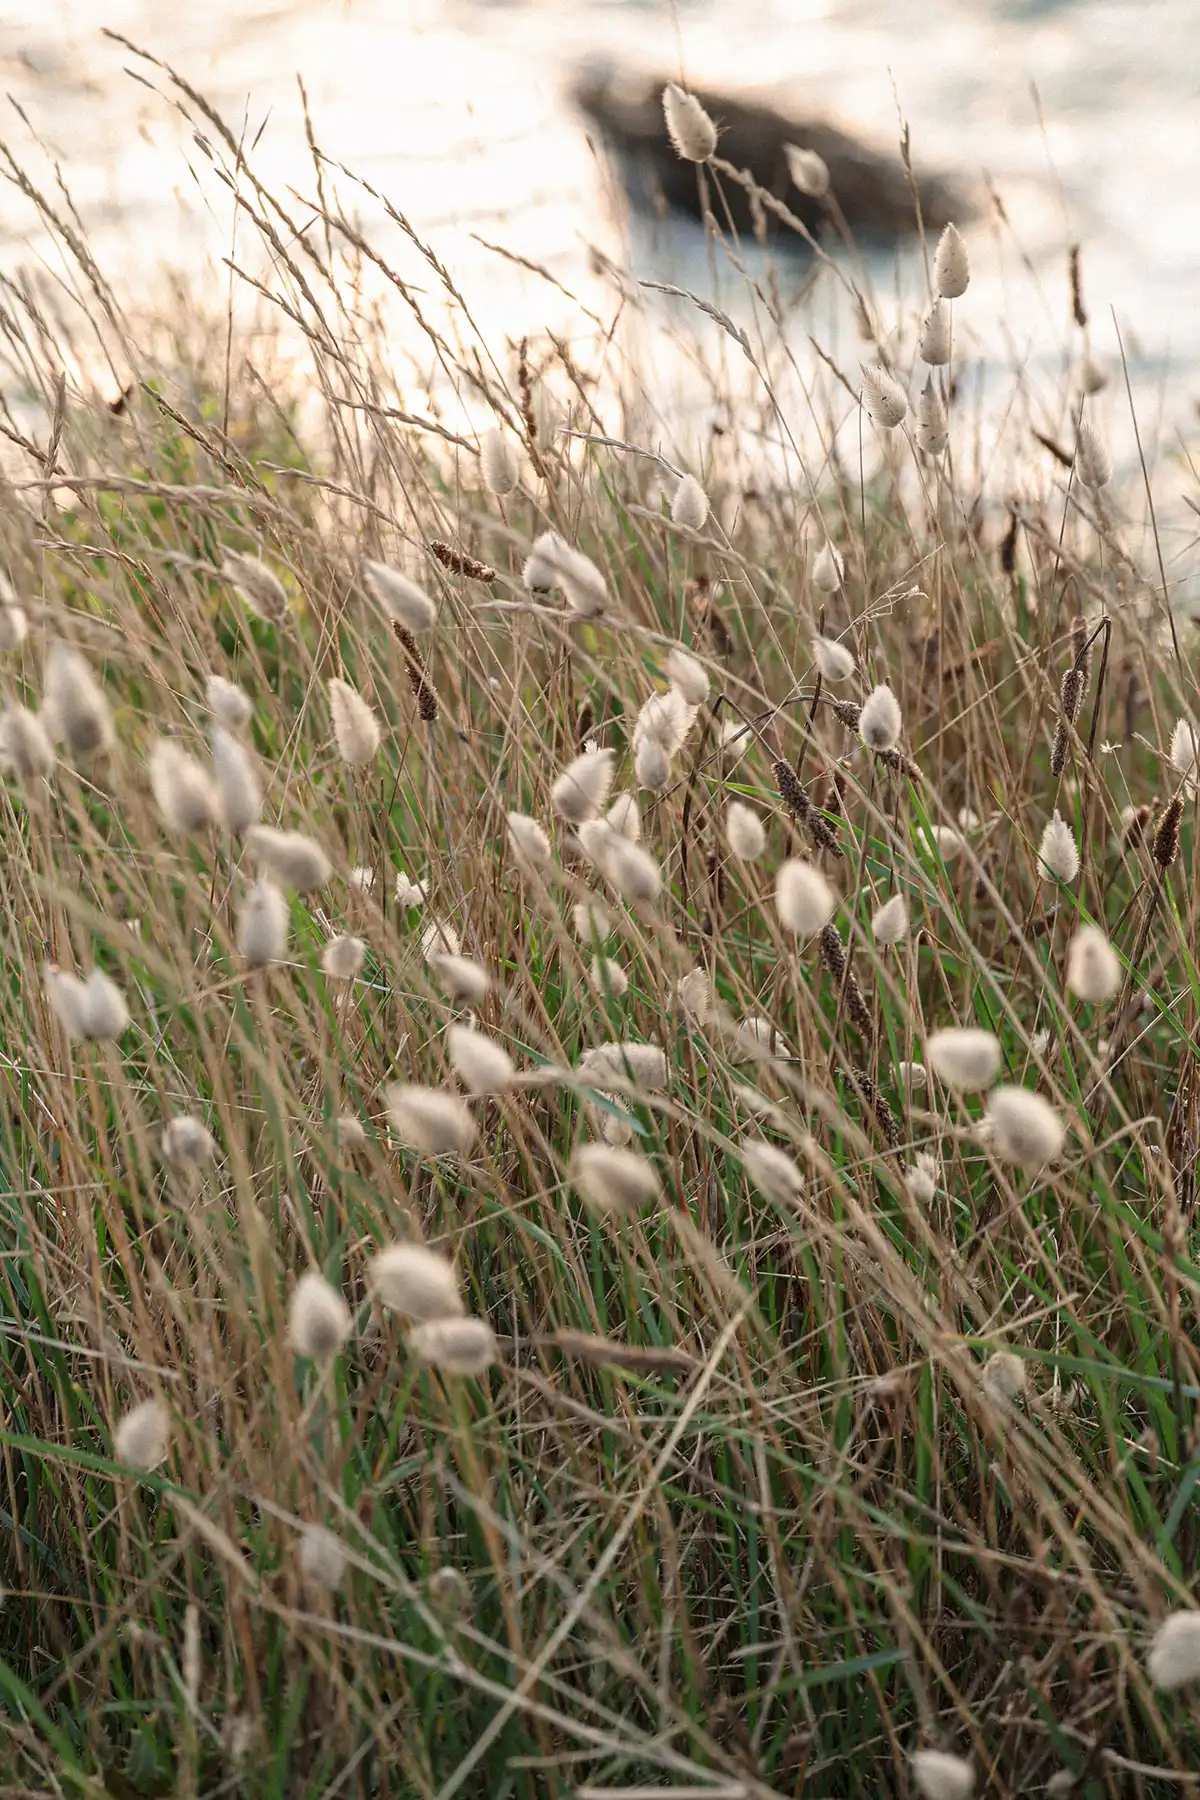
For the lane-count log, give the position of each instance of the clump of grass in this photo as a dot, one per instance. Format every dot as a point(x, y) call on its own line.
point(581, 1212)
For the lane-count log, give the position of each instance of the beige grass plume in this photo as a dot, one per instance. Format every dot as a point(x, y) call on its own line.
point(1173, 1660)
point(454, 1346)
point(238, 781)
point(26, 748)
point(964, 1057)
point(804, 899)
point(406, 604)
point(263, 920)
point(890, 923)
point(1003, 1378)
point(230, 705)
point(687, 675)
point(834, 661)
point(933, 344)
point(624, 816)
point(809, 172)
point(880, 721)
point(827, 571)
point(608, 976)
point(745, 831)
point(933, 427)
point(322, 1557)
point(355, 727)
point(499, 463)
point(259, 587)
point(772, 1171)
point(416, 1282)
point(613, 1180)
point(936, 1774)
point(183, 789)
point(187, 1143)
point(142, 1438)
point(691, 131)
point(482, 1065)
point(634, 1064)
point(1024, 1128)
point(883, 397)
point(580, 791)
point(1059, 853)
point(528, 842)
point(342, 957)
point(1093, 463)
point(291, 857)
point(430, 1120)
point(318, 1318)
point(74, 707)
point(1093, 966)
point(461, 978)
point(951, 265)
point(689, 504)
point(91, 1010)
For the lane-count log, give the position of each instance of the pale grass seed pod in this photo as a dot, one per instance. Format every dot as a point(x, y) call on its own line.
point(691, 131)
point(809, 172)
point(454, 1346)
point(745, 831)
point(290, 857)
point(923, 1178)
point(25, 745)
point(1173, 1660)
point(460, 978)
point(342, 957)
point(1093, 966)
point(262, 923)
point(318, 1318)
point(481, 1064)
point(187, 1143)
point(1024, 1128)
point(936, 1774)
point(623, 815)
point(440, 939)
point(933, 427)
point(613, 1180)
point(883, 397)
point(581, 790)
point(430, 1120)
point(694, 993)
point(689, 504)
point(608, 977)
point(260, 588)
point(633, 872)
point(890, 923)
point(229, 704)
point(1183, 751)
point(498, 462)
point(142, 1438)
point(834, 661)
point(1059, 853)
point(238, 781)
point(91, 1010)
point(651, 765)
point(591, 920)
point(406, 604)
point(880, 721)
point(804, 899)
point(528, 842)
point(409, 893)
point(416, 1282)
point(827, 571)
point(966, 1058)
point(638, 1065)
point(184, 791)
point(74, 707)
point(1003, 1377)
point(933, 344)
point(771, 1171)
point(951, 265)
point(687, 675)
point(355, 727)
point(322, 1557)
point(1093, 463)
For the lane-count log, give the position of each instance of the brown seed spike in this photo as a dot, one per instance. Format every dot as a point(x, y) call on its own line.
point(1078, 309)
point(1062, 743)
point(460, 563)
point(1166, 833)
point(833, 955)
point(803, 811)
point(1008, 546)
point(1136, 827)
point(847, 712)
point(884, 1115)
point(423, 689)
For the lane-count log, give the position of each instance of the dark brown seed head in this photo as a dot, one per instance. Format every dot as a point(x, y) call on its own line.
point(707, 618)
point(585, 723)
point(1008, 546)
point(1070, 693)
point(847, 712)
point(1136, 827)
point(803, 811)
point(423, 689)
point(1166, 833)
point(460, 562)
point(884, 1115)
point(1058, 755)
point(833, 955)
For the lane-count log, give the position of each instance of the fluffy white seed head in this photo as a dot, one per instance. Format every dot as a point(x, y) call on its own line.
point(883, 397)
point(460, 978)
point(1093, 376)
point(623, 816)
point(455, 1346)
point(608, 977)
point(582, 788)
point(541, 568)
point(745, 831)
point(1024, 1128)
point(880, 722)
point(834, 661)
point(480, 1063)
point(964, 1057)
point(440, 939)
point(14, 623)
point(804, 899)
point(936, 1774)
point(430, 1120)
point(632, 870)
point(809, 172)
point(528, 842)
point(614, 1180)
point(923, 1178)
point(409, 893)
point(230, 705)
point(25, 745)
point(402, 600)
point(651, 765)
point(262, 923)
point(689, 504)
point(771, 1171)
point(1059, 853)
point(322, 1558)
point(237, 780)
point(691, 131)
point(890, 923)
point(1183, 750)
point(642, 1066)
point(933, 345)
point(74, 707)
point(355, 727)
point(291, 857)
point(184, 791)
point(914, 1077)
point(591, 921)
point(1093, 463)
point(498, 462)
point(349, 1133)
point(1003, 1377)
point(688, 676)
point(942, 841)
point(187, 1143)
point(342, 957)
point(553, 563)
point(416, 1282)
point(933, 427)
point(951, 266)
point(827, 570)
point(142, 1438)
point(318, 1318)
point(665, 718)
point(260, 588)
point(1093, 966)
point(1173, 1659)
point(91, 1010)
point(694, 992)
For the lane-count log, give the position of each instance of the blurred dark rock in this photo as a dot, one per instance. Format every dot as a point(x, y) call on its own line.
point(870, 187)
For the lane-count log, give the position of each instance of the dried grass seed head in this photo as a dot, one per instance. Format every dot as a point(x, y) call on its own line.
point(460, 978)
point(229, 704)
point(1173, 1660)
point(409, 893)
point(498, 462)
point(883, 397)
point(834, 661)
point(238, 781)
point(481, 1064)
point(318, 1318)
point(694, 992)
point(1183, 751)
point(1093, 462)
point(26, 748)
point(400, 599)
point(540, 572)
point(184, 791)
point(553, 563)
point(1024, 1128)
point(608, 977)
point(651, 765)
point(966, 1058)
point(936, 1774)
point(581, 790)
point(322, 1558)
point(933, 345)
point(14, 623)
point(771, 1171)
point(416, 1282)
point(263, 920)
point(687, 676)
point(689, 504)
point(91, 1010)
point(951, 265)
point(187, 1143)
point(342, 957)
point(591, 920)
point(692, 133)
point(809, 172)
point(614, 1180)
point(880, 721)
point(454, 1346)
point(745, 831)
point(632, 871)
point(142, 1438)
point(440, 938)
point(74, 708)
point(827, 571)
point(624, 816)
point(642, 1066)
point(355, 727)
point(430, 1120)
point(804, 899)
point(528, 843)
point(1093, 966)
point(291, 857)
point(933, 427)
point(923, 1178)
point(260, 588)
point(1059, 853)
point(1003, 1377)
point(890, 923)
